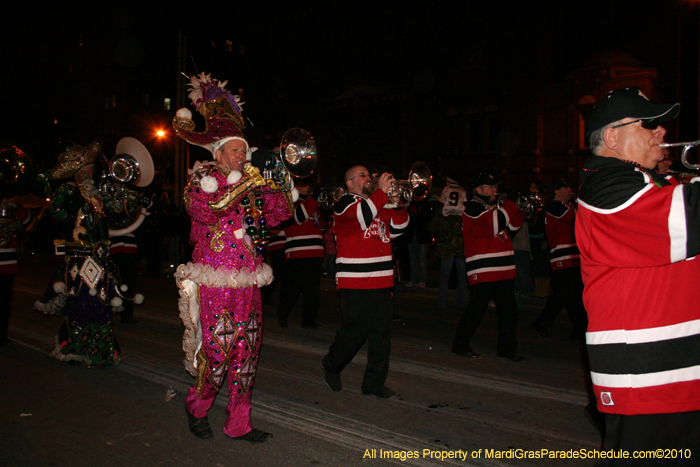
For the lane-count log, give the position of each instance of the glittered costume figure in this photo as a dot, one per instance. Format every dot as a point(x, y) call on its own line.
point(86, 335)
point(231, 206)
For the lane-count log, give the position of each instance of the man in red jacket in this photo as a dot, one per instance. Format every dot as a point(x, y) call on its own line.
point(17, 216)
point(364, 276)
point(304, 253)
point(565, 261)
point(638, 237)
point(490, 259)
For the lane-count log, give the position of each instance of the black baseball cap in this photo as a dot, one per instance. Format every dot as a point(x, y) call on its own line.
point(484, 179)
point(628, 103)
point(559, 183)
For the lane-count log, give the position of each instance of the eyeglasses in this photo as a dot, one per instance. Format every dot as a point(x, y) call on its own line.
point(360, 175)
point(648, 124)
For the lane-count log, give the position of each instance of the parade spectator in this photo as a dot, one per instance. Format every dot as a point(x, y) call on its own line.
point(330, 250)
point(523, 258)
point(418, 242)
point(364, 229)
point(539, 247)
point(230, 205)
point(637, 233)
point(490, 267)
point(565, 261)
point(449, 247)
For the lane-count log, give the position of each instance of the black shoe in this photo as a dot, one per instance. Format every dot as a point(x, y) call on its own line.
point(468, 352)
point(311, 326)
point(382, 392)
point(396, 318)
point(332, 379)
point(283, 323)
point(254, 436)
point(5, 342)
point(199, 426)
point(542, 332)
point(513, 358)
point(128, 320)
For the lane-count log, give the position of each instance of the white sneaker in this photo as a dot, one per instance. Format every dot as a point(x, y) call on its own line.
point(420, 284)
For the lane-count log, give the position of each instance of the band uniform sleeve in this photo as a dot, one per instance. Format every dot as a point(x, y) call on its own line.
point(508, 216)
point(399, 222)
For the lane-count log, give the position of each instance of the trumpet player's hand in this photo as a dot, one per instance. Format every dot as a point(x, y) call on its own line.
point(384, 182)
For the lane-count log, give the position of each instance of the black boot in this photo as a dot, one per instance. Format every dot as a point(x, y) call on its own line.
point(254, 436)
point(199, 426)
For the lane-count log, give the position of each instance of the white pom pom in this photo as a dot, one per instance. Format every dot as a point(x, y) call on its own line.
point(123, 287)
point(116, 302)
point(138, 299)
point(295, 195)
point(209, 184)
point(59, 287)
point(233, 177)
point(93, 291)
point(184, 113)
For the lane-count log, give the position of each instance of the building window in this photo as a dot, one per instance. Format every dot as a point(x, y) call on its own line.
point(144, 100)
point(229, 45)
point(166, 104)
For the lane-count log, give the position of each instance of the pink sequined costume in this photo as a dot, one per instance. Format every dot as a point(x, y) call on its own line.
point(220, 300)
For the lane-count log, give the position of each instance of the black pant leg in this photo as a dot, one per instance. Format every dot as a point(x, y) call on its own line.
point(507, 310)
point(128, 265)
point(357, 308)
point(312, 291)
point(290, 290)
point(379, 341)
point(479, 296)
point(573, 286)
point(6, 283)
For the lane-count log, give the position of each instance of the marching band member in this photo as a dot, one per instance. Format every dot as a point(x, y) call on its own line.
point(364, 229)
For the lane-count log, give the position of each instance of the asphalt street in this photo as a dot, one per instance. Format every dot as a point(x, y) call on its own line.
point(449, 411)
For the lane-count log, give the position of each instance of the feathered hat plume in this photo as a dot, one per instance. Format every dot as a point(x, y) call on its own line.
point(221, 111)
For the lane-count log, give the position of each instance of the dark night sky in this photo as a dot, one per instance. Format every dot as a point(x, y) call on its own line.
point(299, 54)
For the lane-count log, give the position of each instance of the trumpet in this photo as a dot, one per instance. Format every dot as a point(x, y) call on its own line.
point(682, 177)
point(328, 197)
point(416, 188)
point(528, 205)
point(684, 155)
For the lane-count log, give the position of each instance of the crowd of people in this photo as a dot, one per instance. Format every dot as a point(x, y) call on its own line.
point(620, 259)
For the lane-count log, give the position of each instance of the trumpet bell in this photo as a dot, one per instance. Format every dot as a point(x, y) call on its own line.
point(421, 180)
point(298, 152)
point(132, 164)
point(297, 158)
point(416, 188)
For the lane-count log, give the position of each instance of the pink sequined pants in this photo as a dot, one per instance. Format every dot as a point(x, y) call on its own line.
point(231, 322)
